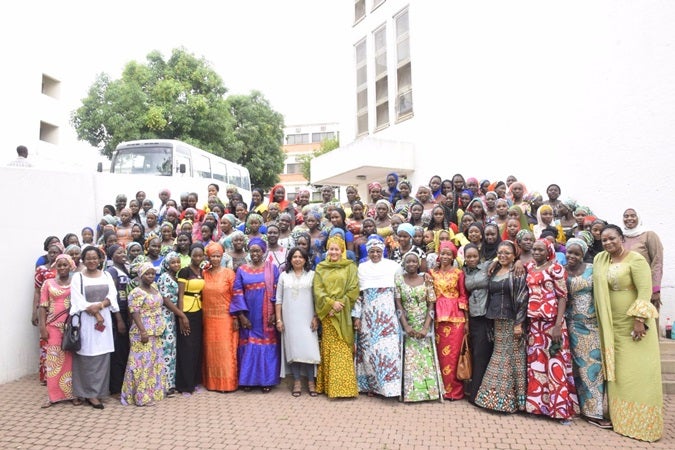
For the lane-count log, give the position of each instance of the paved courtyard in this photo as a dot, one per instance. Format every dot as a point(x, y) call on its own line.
point(244, 420)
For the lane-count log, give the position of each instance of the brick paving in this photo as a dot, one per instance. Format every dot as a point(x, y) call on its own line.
point(243, 420)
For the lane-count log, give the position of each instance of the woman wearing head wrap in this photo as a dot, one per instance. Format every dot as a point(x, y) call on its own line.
point(227, 227)
point(640, 239)
point(550, 387)
point(336, 287)
point(374, 194)
point(524, 239)
point(545, 219)
point(123, 229)
point(582, 324)
point(452, 313)
point(52, 314)
point(121, 277)
point(278, 195)
point(378, 358)
point(253, 300)
point(168, 289)
point(392, 193)
point(402, 205)
point(405, 234)
point(566, 219)
point(145, 377)
point(553, 193)
point(220, 333)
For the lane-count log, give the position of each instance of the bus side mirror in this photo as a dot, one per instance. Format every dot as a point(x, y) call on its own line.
point(99, 167)
point(181, 168)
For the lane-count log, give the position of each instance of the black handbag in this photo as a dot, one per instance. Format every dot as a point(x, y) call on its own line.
point(71, 334)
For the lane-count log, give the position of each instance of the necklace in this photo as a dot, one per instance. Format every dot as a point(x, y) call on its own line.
point(618, 257)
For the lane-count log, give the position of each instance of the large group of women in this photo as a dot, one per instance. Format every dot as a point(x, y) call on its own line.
point(367, 296)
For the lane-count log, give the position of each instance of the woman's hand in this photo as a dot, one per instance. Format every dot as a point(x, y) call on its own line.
point(519, 269)
point(34, 318)
point(423, 332)
point(144, 337)
point(357, 324)
point(271, 321)
point(245, 323)
point(315, 324)
point(184, 325)
point(410, 332)
point(518, 331)
point(656, 300)
point(338, 306)
point(556, 333)
point(94, 308)
point(639, 329)
point(44, 334)
point(492, 267)
point(280, 326)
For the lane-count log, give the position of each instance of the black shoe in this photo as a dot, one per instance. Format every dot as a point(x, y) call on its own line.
point(95, 405)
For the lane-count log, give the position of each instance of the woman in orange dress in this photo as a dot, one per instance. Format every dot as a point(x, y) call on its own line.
point(221, 330)
point(452, 312)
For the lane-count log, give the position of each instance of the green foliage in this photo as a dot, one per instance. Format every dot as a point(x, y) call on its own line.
point(258, 132)
point(182, 98)
point(327, 145)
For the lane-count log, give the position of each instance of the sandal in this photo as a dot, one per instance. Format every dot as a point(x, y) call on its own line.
point(77, 402)
point(297, 389)
point(46, 404)
point(600, 423)
point(311, 387)
point(266, 389)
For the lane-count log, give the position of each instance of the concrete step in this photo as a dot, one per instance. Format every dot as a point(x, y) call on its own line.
point(668, 381)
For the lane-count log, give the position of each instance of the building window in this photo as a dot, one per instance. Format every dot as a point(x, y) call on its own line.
point(49, 133)
point(51, 87)
point(361, 89)
point(381, 78)
point(404, 105)
point(320, 137)
point(294, 168)
point(359, 10)
point(376, 3)
point(293, 139)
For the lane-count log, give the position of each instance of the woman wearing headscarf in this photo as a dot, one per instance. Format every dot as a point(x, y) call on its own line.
point(392, 193)
point(253, 301)
point(405, 234)
point(452, 313)
point(629, 338)
point(403, 204)
point(278, 195)
point(52, 315)
point(220, 328)
point(336, 287)
point(646, 242)
point(144, 379)
point(375, 194)
point(378, 359)
point(550, 381)
point(582, 325)
point(227, 227)
point(168, 289)
point(121, 277)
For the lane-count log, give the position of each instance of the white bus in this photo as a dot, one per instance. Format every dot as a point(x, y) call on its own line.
point(153, 164)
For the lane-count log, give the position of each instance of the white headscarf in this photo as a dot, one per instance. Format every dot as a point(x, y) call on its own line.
point(639, 228)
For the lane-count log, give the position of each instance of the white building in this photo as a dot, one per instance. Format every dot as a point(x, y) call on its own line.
point(580, 94)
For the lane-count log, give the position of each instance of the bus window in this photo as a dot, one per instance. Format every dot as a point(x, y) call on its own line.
point(202, 166)
point(220, 171)
point(235, 176)
point(147, 160)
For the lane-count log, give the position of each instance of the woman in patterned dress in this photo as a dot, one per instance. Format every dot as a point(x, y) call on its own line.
point(52, 315)
point(415, 298)
point(168, 289)
point(336, 287)
point(144, 378)
point(582, 325)
point(452, 313)
point(550, 383)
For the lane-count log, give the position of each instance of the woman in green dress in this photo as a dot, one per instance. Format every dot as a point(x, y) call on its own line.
point(622, 287)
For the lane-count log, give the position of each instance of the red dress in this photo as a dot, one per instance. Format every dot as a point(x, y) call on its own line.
point(451, 302)
point(550, 382)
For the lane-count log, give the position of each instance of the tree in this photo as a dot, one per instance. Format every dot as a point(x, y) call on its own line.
point(258, 131)
point(182, 98)
point(327, 145)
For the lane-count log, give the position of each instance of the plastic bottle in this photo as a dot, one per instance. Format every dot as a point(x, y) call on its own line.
point(669, 329)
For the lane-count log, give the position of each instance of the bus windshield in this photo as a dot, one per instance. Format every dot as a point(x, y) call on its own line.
point(143, 160)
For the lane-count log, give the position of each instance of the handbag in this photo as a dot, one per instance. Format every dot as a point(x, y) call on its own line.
point(71, 334)
point(464, 364)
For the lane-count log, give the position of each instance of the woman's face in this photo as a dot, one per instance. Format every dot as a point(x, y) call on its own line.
point(381, 211)
point(125, 217)
point(416, 212)
point(439, 216)
point(196, 257)
point(404, 240)
point(473, 185)
point(206, 233)
point(120, 256)
point(630, 219)
point(190, 215)
point(553, 192)
point(91, 260)
point(303, 244)
point(134, 252)
point(501, 191)
point(477, 209)
point(574, 256)
point(612, 241)
point(240, 212)
point(471, 257)
point(186, 227)
point(254, 225)
point(512, 227)
point(418, 238)
point(167, 234)
point(435, 183)
point(148, 277)
point(215, 257)
point(375, 194)
point(491, 234)
point(238, 243)
point(182, 243)
point(429, 237)
point(411, 264)
point(72, 240)
point(467, 220)
point(596, 231)
point(449, 199)
point(225, 225)
point(74, 253)
point(458, 183)
point(464, 199)
point(298, 261)
point(134, 206)
point(147, 205)
point(539, 252)
point(526, 243)
point(87, 236)
point(62, 268)
point(136, 232)
point(154, 246)
point(112, 239)
point(256, 197)
point(351, 195)
point(443, 236)
point(171, 203)
point(357, 211)
point(490, 202)
point(446, 257)
point(513, 214)
point(213, 201)
point(547, 216)
point(272, 235)
point(484, 187)
point(368, 227)
point(517, 191)
point(405, 191)
point(423, 195)
point(326, 194)
point(391, 182)
point(212, 190)
point(192, 201)
point(580, 216)
point(336, 219)
point(375, 254)
point(279, 195)
point(474, 235)
point(334, 252)
point(505, 255)
point(273, 210)
point(446, 187)
point(107, 211)
point(311, 222)
point(151, 220)
point(395, 222)
point(284, 223)
point(174, 265)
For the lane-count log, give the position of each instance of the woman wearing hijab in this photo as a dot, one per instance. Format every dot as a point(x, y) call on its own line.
point(336, 287)
point(392, 193)
point(378, 359)
point(550, 381)
point(253, 301)
point(582, 325)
